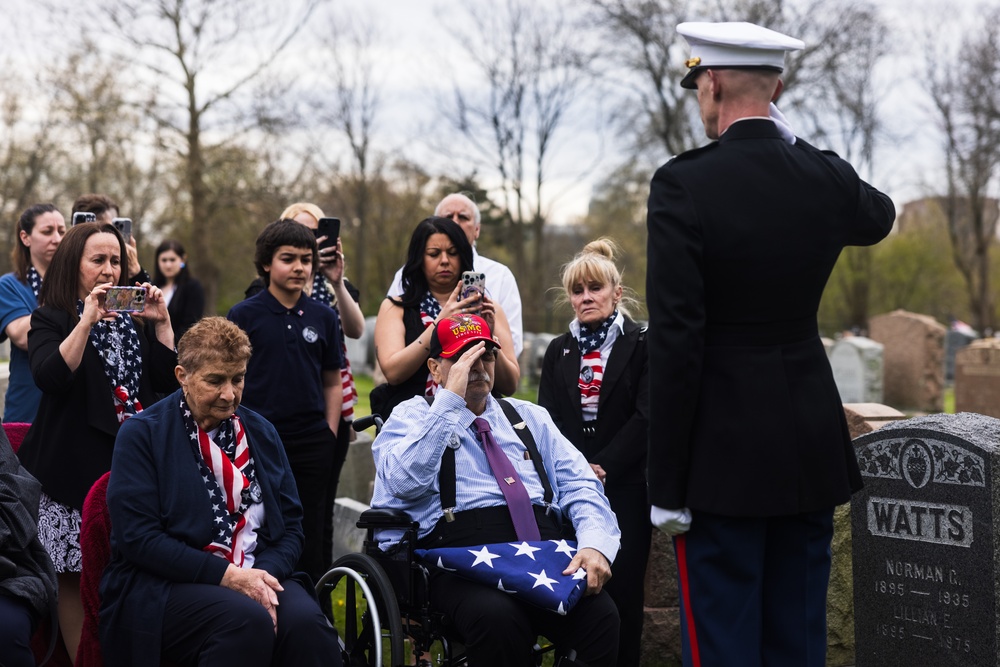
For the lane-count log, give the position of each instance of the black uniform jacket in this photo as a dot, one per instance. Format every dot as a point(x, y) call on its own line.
point(619, 445)
point(743, 235)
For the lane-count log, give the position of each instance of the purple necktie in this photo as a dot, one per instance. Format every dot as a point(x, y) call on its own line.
point(518, 501)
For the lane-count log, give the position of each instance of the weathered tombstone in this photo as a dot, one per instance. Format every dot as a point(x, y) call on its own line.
point(857, 369)
point(924, 556)
point(913, 359)
point(953, 342)
point(977, 378)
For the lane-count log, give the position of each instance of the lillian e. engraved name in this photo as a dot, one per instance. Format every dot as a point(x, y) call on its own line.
point(923, 555)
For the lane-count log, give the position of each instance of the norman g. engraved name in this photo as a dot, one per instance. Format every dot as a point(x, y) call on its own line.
point(924, 522)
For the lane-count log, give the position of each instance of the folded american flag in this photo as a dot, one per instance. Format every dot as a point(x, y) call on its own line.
point(530, 570)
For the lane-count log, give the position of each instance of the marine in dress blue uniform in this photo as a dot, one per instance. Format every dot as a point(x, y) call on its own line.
point(750, 449)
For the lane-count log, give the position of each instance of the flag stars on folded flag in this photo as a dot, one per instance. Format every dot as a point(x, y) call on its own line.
point(530, 570)
point(563, 547)
point(483, 556)
point(525, 549)
point(542, 580)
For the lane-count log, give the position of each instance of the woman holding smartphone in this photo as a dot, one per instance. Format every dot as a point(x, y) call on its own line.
point(95, 368)
point(438, 254)
point(39, 231)
point(594, 384)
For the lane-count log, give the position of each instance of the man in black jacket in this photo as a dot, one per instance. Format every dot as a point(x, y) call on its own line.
point(750, 449)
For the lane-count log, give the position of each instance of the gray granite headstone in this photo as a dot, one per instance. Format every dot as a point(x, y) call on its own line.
point(857, 369)
point(926, 568)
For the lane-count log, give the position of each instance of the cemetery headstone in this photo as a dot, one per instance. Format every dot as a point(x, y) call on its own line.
point(977, 378)
point(925, 562)
point(913, 360)
point(857, 369)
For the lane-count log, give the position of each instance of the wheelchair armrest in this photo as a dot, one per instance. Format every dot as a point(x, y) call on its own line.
point(385, 518)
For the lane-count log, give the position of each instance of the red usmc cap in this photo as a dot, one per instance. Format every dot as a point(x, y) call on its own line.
point(457, 332)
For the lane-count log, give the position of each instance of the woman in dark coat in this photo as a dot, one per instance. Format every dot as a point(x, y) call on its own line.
point(206, 528)
point(594, 383)
point(96, 369)
point(182, 291)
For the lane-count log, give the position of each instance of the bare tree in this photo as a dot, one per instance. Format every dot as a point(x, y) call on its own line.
point(357, 99)
point(967, 102)
point(513, 114)
point(204, 58)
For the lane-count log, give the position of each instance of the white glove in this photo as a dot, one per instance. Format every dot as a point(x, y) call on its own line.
point(671, 522)
point(783, 127)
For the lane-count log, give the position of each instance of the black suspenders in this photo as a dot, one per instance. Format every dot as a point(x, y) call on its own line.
point(446, 477)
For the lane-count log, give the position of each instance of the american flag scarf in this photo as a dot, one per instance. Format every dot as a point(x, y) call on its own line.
point(321, 294)
point(230, 478)
point(429, 309)
point(34, 280)
point(117, 343)
point(591, 369)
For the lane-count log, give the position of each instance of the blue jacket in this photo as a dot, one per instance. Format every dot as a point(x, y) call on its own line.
point(161, 518)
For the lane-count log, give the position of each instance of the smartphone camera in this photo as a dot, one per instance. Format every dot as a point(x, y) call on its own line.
point(124, 227)
point(80, 216)
point(330, 228)
point(474, 282)
point(125, 299)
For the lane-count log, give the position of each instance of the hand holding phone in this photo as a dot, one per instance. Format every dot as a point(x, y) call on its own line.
point(124, 227)
point(330, 228)
point(125, 299)
point(473, 282)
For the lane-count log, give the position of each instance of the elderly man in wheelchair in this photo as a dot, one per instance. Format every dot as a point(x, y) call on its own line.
point(474, 471)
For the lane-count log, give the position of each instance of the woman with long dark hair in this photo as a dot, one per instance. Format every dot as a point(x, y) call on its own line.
point(95, 368)
point(39, 232)
point(438, 253)
point(183, 293)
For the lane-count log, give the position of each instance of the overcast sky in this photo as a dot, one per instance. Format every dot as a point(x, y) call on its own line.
point(418, 60)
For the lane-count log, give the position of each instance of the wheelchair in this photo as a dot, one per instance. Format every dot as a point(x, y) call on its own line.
point(385, 604)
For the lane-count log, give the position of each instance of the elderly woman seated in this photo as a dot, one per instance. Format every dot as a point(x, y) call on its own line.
point(206, 527)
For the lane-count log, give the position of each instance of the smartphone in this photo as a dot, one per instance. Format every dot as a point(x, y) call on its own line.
point(473, 282)
point(80, 216)
point(330, 228)
point(124, 226)
point(125, 299)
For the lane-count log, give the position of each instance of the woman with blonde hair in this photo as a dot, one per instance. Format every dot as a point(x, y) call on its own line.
point(595, 384)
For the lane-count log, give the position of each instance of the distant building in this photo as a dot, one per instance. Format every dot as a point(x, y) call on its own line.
point(930, 211)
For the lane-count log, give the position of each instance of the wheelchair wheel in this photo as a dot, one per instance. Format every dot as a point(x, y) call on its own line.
point(370, 628)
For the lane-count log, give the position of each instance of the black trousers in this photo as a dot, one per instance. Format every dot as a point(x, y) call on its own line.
point(311, 458)
point(17, 624)
point(212, 626)
point(498, 630)
point(628, 573)
point(339, 456)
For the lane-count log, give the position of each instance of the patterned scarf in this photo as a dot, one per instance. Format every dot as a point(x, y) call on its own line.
point(117, 343)
point(230, 478)
point(592, 339)
point(591, 368)
point(429, 309)
point(35, 280)
point(321, 294)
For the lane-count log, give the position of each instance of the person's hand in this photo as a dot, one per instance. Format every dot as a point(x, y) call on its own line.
point(487, 310)
point(133, 257)
point(595, 564)
point(93, 306)
point(599, 471)
point(257, 585)
point(671, 522)
point(331, 261)
point(461, 370)
point(155, 309)
point(455, 305)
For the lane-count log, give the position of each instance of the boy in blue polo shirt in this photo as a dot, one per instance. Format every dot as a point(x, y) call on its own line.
point(293, 377)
